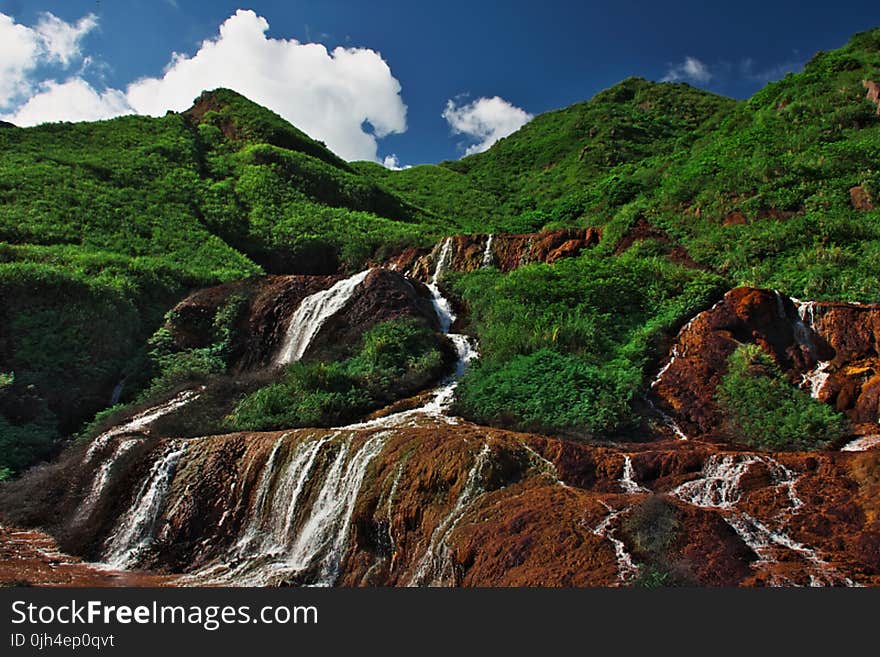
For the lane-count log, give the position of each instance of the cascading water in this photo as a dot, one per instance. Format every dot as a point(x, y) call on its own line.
point(311, 315)
point(862, 444)
point(435, 568)
point(628, 480)
point(626, 567)
point(441, 398)
point(719, 488)
point(488, 258)
point(293, 534)
point(137, 529)
point(719, 485)
point(101, 479)
point(142, 420)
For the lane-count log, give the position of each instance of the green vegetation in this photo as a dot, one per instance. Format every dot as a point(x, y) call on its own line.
point(762, 409)
point(651, 529)
point(564, 347)
point(104, 226)
point(396, 358)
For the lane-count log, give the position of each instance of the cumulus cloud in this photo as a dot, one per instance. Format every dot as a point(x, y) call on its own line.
point(347, 97)
point(332, 96)
point(392, 162)
point(61, 40)
point(486, 119)
point(23, 49)
point(73, 100)
point(690, 70)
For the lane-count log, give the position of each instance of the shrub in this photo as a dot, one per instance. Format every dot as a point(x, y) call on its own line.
point(762, 409)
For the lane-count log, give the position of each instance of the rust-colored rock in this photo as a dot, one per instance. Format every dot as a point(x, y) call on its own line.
point(845, 336)
point(464, 505)
point(506, 251)
point(860, 199)
point(269, 302)
point(735, 218)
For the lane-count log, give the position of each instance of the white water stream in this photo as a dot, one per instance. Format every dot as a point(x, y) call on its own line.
point(312, 313)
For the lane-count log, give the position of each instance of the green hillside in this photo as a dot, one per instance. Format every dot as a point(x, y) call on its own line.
point(104, 226)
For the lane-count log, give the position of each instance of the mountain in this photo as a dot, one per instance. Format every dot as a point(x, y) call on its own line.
point(659, 305)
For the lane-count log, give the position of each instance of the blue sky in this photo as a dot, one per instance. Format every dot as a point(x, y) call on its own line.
point(532, 56)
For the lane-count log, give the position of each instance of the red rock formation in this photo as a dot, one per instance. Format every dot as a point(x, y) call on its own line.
point(860, 199)
point(507, 251)
point(473, 506)
point(845, 336)
point(270, 302)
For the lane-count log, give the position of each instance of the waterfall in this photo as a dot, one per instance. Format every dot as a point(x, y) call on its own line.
point(628, 481)
point(142, 420)
point(117, 392)
point(137, 528)
point(862, 444)
point(718, 487)
point(271, 519)
point(311, 314)
point(325, 532)
point(100, 480)
point(435, 568)
point(441, 398)
point(488, 257)
point(626, 568)
point(442, 307)
point(290, 531)
point(816, 378)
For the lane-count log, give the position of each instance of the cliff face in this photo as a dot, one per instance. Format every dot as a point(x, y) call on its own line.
point(460, 504)
point(505, 251)
point(270, 303)
point(830, 349)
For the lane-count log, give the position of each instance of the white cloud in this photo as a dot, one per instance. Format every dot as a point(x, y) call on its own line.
point(73, 100)
point(690, 70)
point(19, 47)
point(329, 95)
point(392, 162)
point(61, 40)
point(347, 98)
point(749, 71)
point(486, 119)
point(23, 49)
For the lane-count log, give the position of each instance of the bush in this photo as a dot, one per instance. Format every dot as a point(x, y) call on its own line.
point(395, 358)
point(762, 409)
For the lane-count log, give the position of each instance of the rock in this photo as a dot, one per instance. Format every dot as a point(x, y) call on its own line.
point(507, 251)
point(271, 301)
point(464, 505)
point(735, 218)
point(845, 335)
point(860, 199)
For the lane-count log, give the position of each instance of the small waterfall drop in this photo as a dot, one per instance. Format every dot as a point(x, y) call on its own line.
point(628, 480)
point(488, 258)
point(311, 314)
point(626, 567)
point(862, 444)
point(435, 568)
point(100, 480)
point(137, 529)
point(142, 420)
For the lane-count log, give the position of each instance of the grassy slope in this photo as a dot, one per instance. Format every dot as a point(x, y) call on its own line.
point(121, 217)
point(103, 226)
